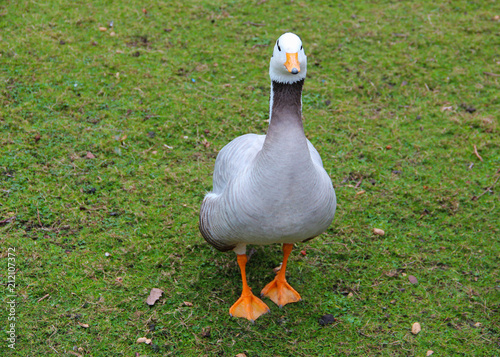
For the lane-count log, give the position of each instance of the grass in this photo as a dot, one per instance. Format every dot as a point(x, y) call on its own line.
point(397, 95)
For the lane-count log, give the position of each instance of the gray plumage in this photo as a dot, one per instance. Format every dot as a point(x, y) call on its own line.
point(269, 188)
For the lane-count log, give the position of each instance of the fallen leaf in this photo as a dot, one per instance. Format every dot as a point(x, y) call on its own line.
point(112, 33)
point(378, 231)
point(303, 252)
point(388, 147)
point(101, 28)
point(430, 352)
point(145, 11)
point(154, 295)
point(90, 155)
point(412, 279)
point(415, 329)
point(37, 137)
point(478, 324)
point(241, 355)
point(187, 303)
point(360, 192)
point(446, 108)
point(141, 339)
point(277, 269)
point(83, 325)
point(119, 280)
point(148, 341)
point(391, 273)
point(350, 295)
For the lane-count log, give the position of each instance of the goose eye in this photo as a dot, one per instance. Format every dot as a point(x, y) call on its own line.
point(301, 47)
point(278, 44)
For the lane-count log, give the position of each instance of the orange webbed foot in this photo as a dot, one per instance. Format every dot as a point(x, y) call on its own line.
point(280, 292)
point(249, 306)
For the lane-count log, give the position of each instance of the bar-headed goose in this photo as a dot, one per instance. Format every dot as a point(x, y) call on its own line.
point(270, 188)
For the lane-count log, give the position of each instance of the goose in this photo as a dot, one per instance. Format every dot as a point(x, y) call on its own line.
point(270, 188)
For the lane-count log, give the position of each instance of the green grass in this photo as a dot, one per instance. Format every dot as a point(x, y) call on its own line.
point(157, 101)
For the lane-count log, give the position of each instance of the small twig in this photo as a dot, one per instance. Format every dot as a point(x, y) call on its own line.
point(477, 154)
point(7, 220)
point(43, 298)
point(38, 215)
point(359, 183)
point(258, 45)
point(475, 198)
point(254, 23)
point(491, 74)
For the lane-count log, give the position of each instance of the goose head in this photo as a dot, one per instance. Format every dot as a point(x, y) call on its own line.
point(289, 62)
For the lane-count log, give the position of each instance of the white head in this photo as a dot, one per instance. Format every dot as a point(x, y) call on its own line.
point(289, 62)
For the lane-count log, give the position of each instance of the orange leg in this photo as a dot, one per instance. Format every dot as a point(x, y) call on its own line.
point(248, 305)
point(279, 290)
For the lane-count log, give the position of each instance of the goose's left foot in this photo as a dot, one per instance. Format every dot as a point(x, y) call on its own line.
point(278, 290)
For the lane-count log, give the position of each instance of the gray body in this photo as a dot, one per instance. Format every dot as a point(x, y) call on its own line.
point(269, 188)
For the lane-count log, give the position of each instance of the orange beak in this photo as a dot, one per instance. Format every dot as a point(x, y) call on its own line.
point(292, 63)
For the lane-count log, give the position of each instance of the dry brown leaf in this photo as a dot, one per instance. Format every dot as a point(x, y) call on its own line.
point(360, 192)
point(415, 329)
point(90, 155)
point(430, 352)
point(241, 355)
point(277, 269)
point(141, 339)
point(478, 324)
point(187, 303)
point(378, 231)
point(412, 279)
point(83, 325)
point(154, 295)
point(391, 273)
point(102, 28)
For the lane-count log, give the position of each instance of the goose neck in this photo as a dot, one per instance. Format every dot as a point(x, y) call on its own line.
point(286, 102)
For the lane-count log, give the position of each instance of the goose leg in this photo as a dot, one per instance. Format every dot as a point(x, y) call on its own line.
point(248, 305)
point(278, 290)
